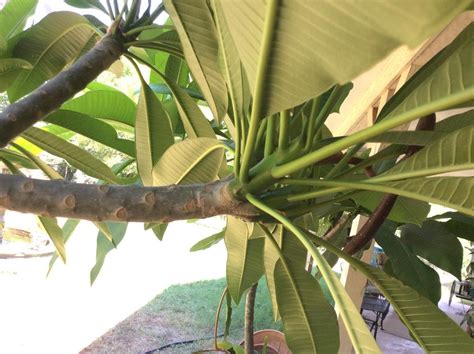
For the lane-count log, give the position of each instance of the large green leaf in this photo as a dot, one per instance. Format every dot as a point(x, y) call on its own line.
point(85, 4)
point(453, 152)
point(56, 41)
point(197, 32)
point(359, 334)
point(309, 321)
point(298, 49)
point(436, 244)
point(459, 224)
point(76, 156)
point(10, 68)
point(405, 210)
point(92, 128)
point(430, 326)
point(194, 121)
point(244, 257)
point(104, 246)
point(50, 226)
point(153, 133)
point(452, 192)
point(293, 251)
point(105, 104)
point(446, 74)
point(404, 265)
point(13, 16)
point(231, 65)
point(189, 161)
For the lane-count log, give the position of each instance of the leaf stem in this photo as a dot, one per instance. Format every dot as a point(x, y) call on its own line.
point(378, 128)
point(283, 137)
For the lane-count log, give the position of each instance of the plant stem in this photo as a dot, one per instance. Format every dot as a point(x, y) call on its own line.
point(378, 128)
point(283, 137)
point(269, 138)
point(249, 316)
point(216, 319)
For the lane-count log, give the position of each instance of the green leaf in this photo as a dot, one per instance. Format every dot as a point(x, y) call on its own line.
point(420, 138)
point(87, 4)
point(16, 158)
point(405, 210)
point(432, 328)
point(207, 242)
point(359, 334)
point(194, 121)
point(453, 152)
point(105, 104)
point(309, 321)
point(306, 46)
point(10, 68)
point(50, 226)
point(158, 229)
point(404, 265)
point(67, 230)
point(197, 32)
point(76, 156)
point(104, 246)
point(47, 170)
point(13, 16)
point(244, 257)
point(92, 128)
point(293, 251)
point(436, 244)
point(189, 161)
point(448, 73)
point(164, 90)
point(455, 122)
point(153, 133)
point(55, 42)
point(231, 65)
point(452, 192)
point(459, 224)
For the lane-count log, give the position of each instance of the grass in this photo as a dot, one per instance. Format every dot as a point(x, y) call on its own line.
point(191, 309)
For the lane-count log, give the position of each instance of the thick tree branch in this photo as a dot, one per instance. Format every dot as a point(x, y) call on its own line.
point(21, 115)
point(377, 218)
point(121, 203)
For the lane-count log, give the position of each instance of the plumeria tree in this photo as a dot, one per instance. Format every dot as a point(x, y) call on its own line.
point(270, 73)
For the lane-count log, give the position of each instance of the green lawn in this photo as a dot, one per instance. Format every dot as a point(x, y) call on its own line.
point(190, 309)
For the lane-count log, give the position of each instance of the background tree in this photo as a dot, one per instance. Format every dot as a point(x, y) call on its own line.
point(270, 74)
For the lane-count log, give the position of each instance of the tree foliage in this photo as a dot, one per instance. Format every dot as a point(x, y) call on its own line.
point(238, 92)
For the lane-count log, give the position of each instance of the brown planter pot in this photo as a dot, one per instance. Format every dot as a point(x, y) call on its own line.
point(275, 342)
